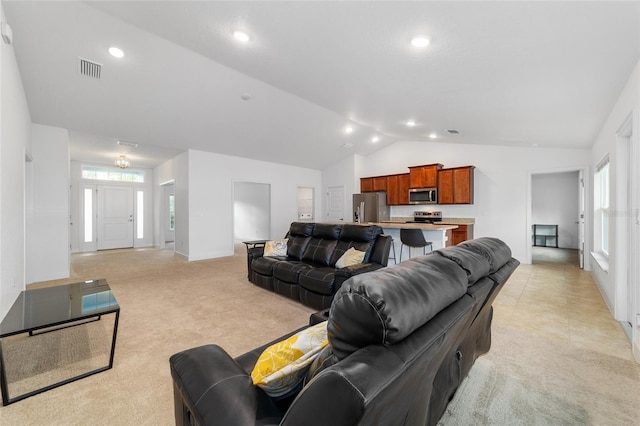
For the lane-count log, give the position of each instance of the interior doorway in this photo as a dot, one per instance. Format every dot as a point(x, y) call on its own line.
point(167, 216)
point(557, 218)
point(557, 198)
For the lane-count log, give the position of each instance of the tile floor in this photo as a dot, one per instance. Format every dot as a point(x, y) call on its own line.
point(554, 298)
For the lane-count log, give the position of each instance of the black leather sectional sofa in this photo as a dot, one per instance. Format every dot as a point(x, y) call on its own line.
point(401, 340)
point(308, 272)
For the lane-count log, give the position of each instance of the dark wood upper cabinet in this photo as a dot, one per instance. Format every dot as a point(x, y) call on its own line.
point(392, 190)
point(366, 184)
point(380, 183)
point(403, 189)
point(455, 185)
point(424, 176)
point(398, 189)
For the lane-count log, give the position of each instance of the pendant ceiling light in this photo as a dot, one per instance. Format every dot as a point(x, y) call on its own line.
point(122, 162)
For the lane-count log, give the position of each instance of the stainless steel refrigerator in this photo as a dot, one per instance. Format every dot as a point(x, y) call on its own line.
point(370, 207)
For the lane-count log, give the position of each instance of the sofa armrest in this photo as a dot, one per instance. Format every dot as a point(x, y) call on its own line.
point(347, 272)
point(360, 268)
point(210, 388)
point(255, 252)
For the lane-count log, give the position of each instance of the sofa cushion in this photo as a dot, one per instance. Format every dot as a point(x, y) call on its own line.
point(327, 231)
point(282, 367)
point(299, 235)
point(319, 251)
point(475, 265)
point(275, 248)
point(288, 271)
point(493, 249)
point(350, 257)
point(318, 280)
point(322, 244)
point(384, 306)
point(366, 233)
point(264, 265)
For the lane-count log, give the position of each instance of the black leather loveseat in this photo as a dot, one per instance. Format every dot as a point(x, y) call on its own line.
point(308, 272)
point(401, 340)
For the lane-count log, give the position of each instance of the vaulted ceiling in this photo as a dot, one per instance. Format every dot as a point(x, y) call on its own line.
point(501, 73)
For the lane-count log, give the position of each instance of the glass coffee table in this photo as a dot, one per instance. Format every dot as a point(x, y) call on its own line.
point(47, 338)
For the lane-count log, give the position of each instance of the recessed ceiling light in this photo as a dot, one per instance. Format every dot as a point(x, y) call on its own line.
point(241, 36)
point(410, 123)
point(348, 130)
point(432, 135)
point(117, 52)
point(420, 41)
point(375, 139)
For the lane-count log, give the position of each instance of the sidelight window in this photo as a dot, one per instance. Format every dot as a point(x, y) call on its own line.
point(601, 204)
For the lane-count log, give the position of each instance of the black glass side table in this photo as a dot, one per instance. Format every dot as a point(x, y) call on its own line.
point(52, 309)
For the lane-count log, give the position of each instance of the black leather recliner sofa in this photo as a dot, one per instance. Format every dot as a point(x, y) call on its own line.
point(401, 340)
point(308, 273)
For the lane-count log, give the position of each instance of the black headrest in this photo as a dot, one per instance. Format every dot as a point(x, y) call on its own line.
point(360, 232)
point(475, 265)
point(384, 306)
point(327, 231)
point(492, 249)
point(301, 229)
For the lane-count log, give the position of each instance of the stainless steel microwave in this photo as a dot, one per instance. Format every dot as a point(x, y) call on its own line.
point(423, 196)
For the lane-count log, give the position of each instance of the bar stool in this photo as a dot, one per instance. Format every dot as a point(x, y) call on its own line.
point(393, 248)
point(413, 238)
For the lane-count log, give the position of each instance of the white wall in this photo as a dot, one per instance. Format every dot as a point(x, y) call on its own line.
point(501, 182)
point(15, 142)
point(555, 201)
point(612, 283)
point(251, 211)
point(48, 232)
point(181, 177)
point(210, 198)
point(344, 174)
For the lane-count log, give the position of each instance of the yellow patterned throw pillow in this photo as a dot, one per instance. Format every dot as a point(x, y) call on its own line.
point(283, 365)
point(350, 257)
point(276, 248)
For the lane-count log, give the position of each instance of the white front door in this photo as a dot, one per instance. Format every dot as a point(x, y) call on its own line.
point(115, 217)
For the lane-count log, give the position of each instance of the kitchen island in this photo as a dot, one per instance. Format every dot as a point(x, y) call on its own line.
point(438, 234)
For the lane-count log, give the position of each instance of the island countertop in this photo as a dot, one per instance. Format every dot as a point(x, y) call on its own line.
point(424, 226)
point(394, 224)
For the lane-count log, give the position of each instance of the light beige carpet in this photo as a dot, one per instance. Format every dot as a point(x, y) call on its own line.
point(169, 305)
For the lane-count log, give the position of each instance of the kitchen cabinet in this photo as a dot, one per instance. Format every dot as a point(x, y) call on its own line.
point(379, 183)
point(392, 190)
point(366, 184)
point(455, 185)
point(424, 176)
point(461, 233)
point(398, 189)
point(403, 189)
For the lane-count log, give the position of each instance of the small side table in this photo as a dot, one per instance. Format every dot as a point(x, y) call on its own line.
point(251, 245)
point(52, 309)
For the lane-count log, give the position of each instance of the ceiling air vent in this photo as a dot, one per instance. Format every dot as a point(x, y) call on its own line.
point(453, 132)
point(89, 68)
